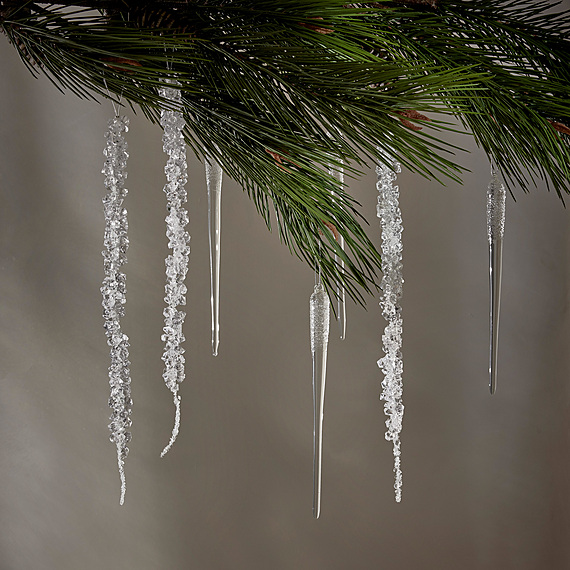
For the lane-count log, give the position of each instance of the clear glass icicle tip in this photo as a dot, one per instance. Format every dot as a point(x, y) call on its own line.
point(176, 427)
point(320, 324)
point(214, 182)
point(121, 464)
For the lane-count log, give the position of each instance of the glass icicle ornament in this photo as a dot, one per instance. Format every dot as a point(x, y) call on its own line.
point(172, 121)
point(214, 175)
point(391, 364)
point(340, 291)
point(114, 289)
point(319, 314)
point(496, 200)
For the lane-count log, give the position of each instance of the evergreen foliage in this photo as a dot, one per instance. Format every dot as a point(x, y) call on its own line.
point(279, 90)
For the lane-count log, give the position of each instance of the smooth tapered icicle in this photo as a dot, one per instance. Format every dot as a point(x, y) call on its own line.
point(391, 364)
point(214, 175)
point(340, 291)
point(173, 123)
point(496, 200)
point(320, 324)
point(114, 290)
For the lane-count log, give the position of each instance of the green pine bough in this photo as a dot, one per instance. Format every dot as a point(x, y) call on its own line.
point(279, 90)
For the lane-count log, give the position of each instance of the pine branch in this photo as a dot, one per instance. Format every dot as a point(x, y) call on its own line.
point(277, 90)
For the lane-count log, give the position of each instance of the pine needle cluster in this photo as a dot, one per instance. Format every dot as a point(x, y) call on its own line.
point(280, 91)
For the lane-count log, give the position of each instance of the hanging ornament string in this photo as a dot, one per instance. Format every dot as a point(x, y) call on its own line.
point(496, 201)
point(114, 288)
point(391, 363)
point(319, 315)
point(172, 121)
point(214, 175)
point(338, 173)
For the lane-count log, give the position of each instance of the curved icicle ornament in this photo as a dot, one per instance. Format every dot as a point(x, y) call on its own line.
point(114, 290)
point(496, 201)
point(391, 364)
point(340, 290)
point(214, 175)
point(319, 324)
point(172, 122)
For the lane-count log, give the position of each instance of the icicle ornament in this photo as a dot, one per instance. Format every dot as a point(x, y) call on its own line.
point(114, 290)
point(319, 324)
point(172, 121)
point(214, 175)
point(391, 364)
point(340, 291)
point(496, 201)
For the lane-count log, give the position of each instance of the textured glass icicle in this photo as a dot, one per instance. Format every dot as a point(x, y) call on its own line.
point(172, 122)
point(320, 324)
point(214, 175)
point(114, 289)
point(496, 200)
point(340, 291)
point(388, 210)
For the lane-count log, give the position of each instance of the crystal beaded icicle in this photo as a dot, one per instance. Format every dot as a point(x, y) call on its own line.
point(391, 364)
point(214, 182)
point(172, 122)
point(496, 199)
point(340, 291)
point(114, 289)
point(320, 324)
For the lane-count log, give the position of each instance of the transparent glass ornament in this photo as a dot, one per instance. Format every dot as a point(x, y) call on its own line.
point(391, 364)
point(338, 173)
point(496, 202)
point(319, 314)
point(173, 123)
point(214, 175)
point(114, 290)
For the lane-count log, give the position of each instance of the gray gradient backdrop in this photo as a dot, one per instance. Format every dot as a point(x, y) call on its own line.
point(486, 479)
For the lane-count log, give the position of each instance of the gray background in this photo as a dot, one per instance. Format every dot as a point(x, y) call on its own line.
point(486, 479)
